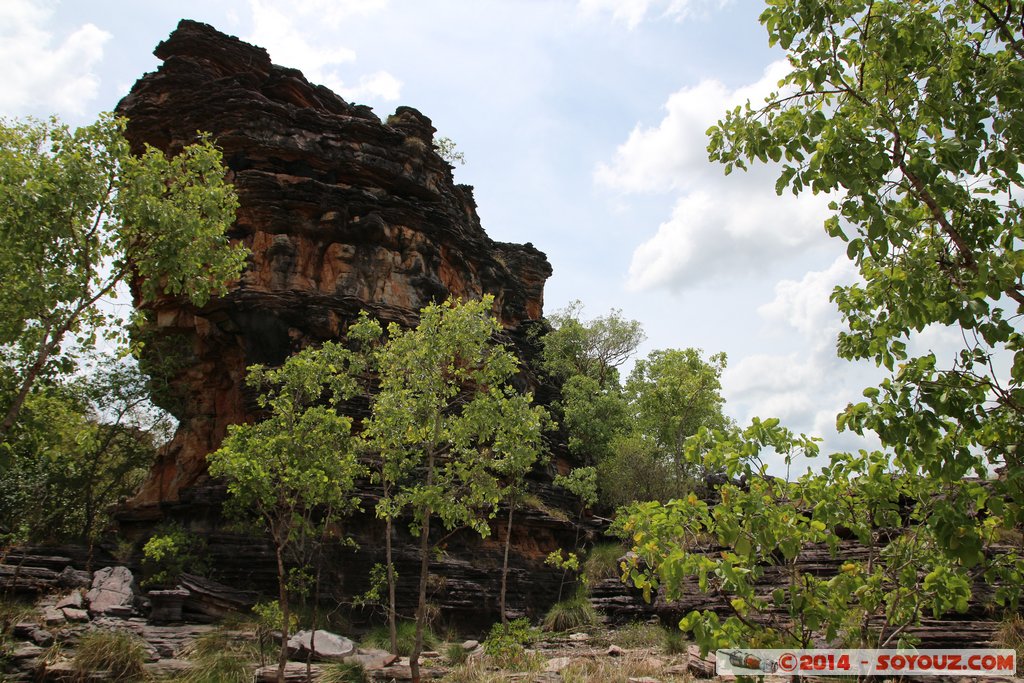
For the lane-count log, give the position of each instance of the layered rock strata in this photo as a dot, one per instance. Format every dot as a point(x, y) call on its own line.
point(341, 211)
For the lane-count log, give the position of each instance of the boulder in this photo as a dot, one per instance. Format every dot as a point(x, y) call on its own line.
point(324, 646)
point(112, 593)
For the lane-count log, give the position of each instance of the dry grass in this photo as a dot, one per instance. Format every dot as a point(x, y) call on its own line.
point(118, 654)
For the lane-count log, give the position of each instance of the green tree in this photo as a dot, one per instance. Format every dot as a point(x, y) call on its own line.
point(79, 217)
point(912, 113)
point(445, 409)
point(79, 447)
point(766, 524)
point(675, 392)
point(294, 471)
point(592, 349)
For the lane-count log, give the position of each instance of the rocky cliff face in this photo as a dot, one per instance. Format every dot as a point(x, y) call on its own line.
point(342, 212)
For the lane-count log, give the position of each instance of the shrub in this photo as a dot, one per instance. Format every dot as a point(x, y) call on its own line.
point(455, 653)
point(121, 655)
point(506, 645)
point(171, 552)
point(571, 613)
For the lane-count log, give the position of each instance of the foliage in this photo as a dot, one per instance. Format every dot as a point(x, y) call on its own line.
point(81, 216)
point(506, 645)
point(170, 552)
point(447, 150)
point(119, 654)
point(79, 446)
point(675, 393)
point(591, 349)
point(764, 526)
point(595, 417)
point(581, 482)
point(296, 470)
point(571, 613)
point(379, 638)
point(910, 113)
point(445, 406)
point(636, 469)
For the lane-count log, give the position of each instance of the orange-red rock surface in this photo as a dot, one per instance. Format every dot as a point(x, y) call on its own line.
point(342, 211)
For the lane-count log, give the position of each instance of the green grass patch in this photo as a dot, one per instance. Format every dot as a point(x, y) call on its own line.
point(343, 672)
point(379, 638)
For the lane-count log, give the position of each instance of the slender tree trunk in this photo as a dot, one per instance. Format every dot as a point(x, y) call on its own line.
point(26, 385)
point(392, 619)
point(421, 608)
point(504, 564)
point(282, 597)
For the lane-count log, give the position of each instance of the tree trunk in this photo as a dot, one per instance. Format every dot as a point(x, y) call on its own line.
point(504, 564)
point(421, 608)
point(282, 597)
point(392, 620)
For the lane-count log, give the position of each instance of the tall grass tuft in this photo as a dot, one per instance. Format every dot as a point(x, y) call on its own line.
point(603, 562)
point(379, 638)
point(571, 613)
point(343, 672)
point(221, 657)
point(119, 654)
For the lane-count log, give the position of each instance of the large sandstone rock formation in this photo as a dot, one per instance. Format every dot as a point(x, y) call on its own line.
point(342, 212)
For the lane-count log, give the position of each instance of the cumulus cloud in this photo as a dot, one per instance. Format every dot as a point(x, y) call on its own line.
point(633, 12)
point(286, 33)
point(720, 226)
point(42, 73)
point(808, 387)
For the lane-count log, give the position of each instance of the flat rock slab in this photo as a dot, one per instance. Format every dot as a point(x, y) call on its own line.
point(112, 592)
point(294, 672)
point(372, 659)
point(324, 646)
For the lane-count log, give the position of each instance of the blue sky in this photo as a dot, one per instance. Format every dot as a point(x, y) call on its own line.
point(582, 123)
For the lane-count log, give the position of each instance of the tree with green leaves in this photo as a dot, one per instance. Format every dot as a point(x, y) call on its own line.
point(294, 472)
point(593, 349)
point(80, 217)
point(893, 575)
point(80, 446)
point(911, 112)
point(446, 412)
point(676, 392)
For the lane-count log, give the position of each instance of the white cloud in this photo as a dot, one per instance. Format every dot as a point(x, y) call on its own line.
point(380, 85)
point(805, 388)
point(293, 35)
point(804, 304)
point(673, 155)
point(39, 75)
point(633, 12)
point(721, 225)
point(726, 231)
